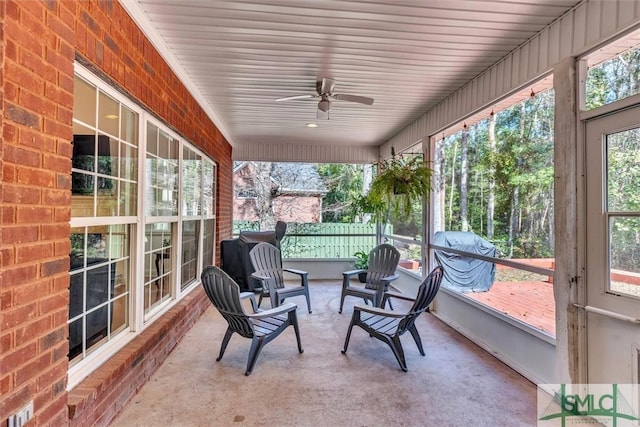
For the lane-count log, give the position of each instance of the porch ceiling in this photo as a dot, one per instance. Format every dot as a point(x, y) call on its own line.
point(237, 57)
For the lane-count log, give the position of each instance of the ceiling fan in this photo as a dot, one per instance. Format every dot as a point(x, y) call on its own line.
point(325, 95)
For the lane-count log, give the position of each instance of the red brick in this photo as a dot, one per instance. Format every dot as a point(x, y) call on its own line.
point(57, 163)
point(57, 129)
point(34, 214)
point(19, 234)
point(55, 231)
point(62, 248)
point(54, 303)
point(6, 383)
point(34, 329)
point(20, 195)
point(31, 291)
point(21, 156)
point(22, 116)
point(20, 356)
point(35, 102)
point(56, 197)
point(52, 375)
point(37, 140)
point(18, 275)
point(31, 370)
point(34, 252)
point(7, 257)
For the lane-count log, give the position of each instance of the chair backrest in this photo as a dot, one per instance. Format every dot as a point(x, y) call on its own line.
point(267, 261)
point(383, 262)
point(426, 293)
point(224, 294)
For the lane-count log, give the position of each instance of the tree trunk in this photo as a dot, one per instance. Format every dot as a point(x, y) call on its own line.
point(265, 189)
point(464, 178)
point(438, 187)
point(453, 184)
point(491, 196)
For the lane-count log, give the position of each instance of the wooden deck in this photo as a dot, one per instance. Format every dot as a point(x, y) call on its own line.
point(529, 302)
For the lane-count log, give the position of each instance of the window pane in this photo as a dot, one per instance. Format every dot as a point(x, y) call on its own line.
point(209, 242)
point(128, 199)
point(208, 189)
point(108, 115)
point(606, 82)
point(158, 264)
point(129, 162)
point(84, 101)
point(162, 175)
point(130, 129)
point(101, 161)
point(108, 156)
point(624, 241)
point(192, 183)
point(623, 171)
point(190, 239)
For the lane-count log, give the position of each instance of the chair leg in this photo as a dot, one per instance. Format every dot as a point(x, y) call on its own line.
point(260, 299)
point(341, 302)
point(225, 341)
point(354, 319)
point(308, 300)
point(416, 337)
point(293, 319)
point(398, 352)
point(254, 352)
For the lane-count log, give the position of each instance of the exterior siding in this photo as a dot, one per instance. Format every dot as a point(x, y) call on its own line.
point(580, 30)
point(309, 154)
point(40, 41)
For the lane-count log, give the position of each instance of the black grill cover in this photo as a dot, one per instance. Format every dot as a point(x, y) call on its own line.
point(234, 255)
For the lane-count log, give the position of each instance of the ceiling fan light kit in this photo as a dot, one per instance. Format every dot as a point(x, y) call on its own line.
point(326, 96)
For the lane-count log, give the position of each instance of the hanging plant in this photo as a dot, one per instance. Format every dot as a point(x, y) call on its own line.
point(401, 183)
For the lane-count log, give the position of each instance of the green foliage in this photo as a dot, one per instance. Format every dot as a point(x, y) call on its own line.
point(401, 184)
point(362, 260)
point(523, 181)
point(344, 184)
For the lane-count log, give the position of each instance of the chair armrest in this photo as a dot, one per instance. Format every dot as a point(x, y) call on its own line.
point(389, 279)
point(281, 309)
point(294, 271)
point(378, 311)
point(352, 272)
point(399, 295)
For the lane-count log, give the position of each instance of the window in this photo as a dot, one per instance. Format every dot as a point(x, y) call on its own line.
point(139, 238)
point(494, 182)
point(623, 209)
point(99, 286)
point(103, 185)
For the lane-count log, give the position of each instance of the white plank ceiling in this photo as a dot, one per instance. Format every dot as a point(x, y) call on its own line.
point(239, 56)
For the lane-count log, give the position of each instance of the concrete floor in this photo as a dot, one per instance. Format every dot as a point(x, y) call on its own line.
point(455, 384)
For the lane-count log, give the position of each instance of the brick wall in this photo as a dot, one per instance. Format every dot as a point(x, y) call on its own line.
point(37, 88)
point(40, 40)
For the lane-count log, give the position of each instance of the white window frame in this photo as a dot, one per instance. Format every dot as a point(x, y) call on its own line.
point(137, 320)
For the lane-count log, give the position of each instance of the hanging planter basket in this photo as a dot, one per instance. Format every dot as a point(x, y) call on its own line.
point(401, 183)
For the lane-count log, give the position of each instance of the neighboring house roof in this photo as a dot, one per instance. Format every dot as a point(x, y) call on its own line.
point(302, 178)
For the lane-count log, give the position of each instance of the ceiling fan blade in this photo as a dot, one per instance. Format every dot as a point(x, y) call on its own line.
point(354, 98)
point(326, 86)
point(296, 97)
